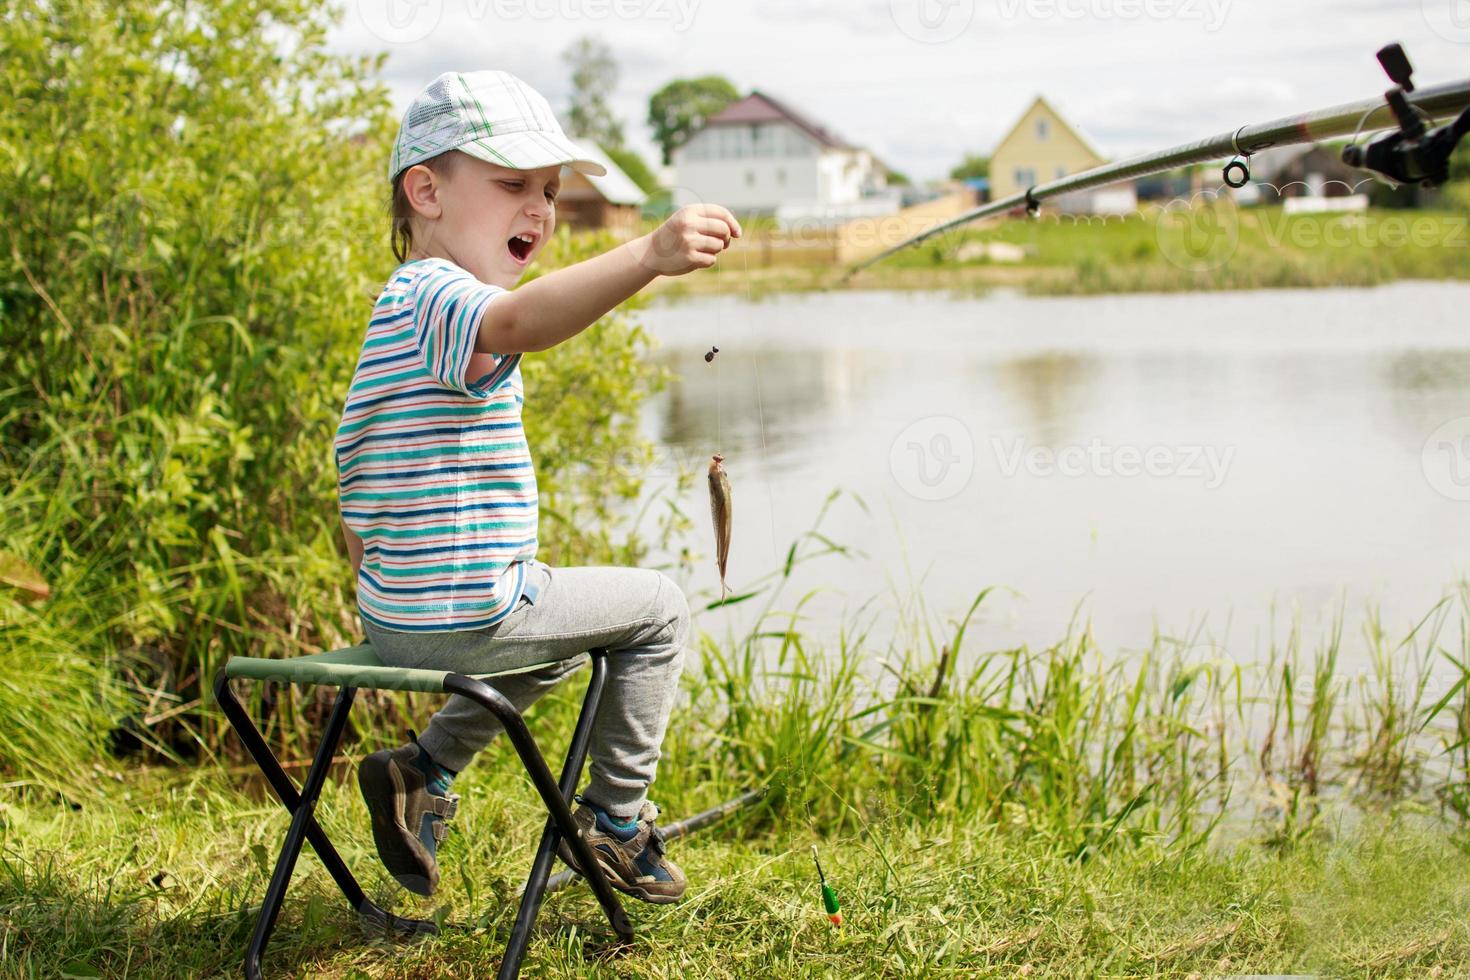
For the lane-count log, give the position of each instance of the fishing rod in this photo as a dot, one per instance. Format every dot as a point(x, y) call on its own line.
point(1411, 154)
point(681, 828)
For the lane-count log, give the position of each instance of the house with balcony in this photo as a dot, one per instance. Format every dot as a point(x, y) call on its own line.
point(761, 156)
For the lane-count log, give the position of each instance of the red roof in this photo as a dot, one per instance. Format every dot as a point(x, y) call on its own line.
point(758, 107)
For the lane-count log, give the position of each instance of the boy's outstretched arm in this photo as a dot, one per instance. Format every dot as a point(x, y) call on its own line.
point(561, 304)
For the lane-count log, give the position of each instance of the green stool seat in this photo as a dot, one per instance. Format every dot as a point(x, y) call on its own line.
point(357, 666)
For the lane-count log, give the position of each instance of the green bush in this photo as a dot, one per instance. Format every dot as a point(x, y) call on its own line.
point(196, 230)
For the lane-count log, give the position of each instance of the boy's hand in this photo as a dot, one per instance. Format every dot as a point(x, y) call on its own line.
point(548, 310)
point(692, 238)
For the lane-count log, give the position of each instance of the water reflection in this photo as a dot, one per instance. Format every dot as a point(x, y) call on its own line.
point(1050, 391)
point(1314, 404)
point(781, 401)
point(1425, 389)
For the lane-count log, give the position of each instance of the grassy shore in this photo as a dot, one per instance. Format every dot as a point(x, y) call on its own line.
point(161, 882)
point(1212, 246)
point(1070, 811)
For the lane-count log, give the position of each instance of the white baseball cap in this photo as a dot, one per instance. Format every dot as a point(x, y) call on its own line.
point(491, 115)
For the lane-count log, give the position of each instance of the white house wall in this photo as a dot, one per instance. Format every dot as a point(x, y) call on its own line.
point(765, 165)
point(747, 168)
point(745, 185)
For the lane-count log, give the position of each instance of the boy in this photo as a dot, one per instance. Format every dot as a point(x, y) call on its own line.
point(438, 491)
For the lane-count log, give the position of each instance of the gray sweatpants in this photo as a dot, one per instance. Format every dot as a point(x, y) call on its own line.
point(638, 614)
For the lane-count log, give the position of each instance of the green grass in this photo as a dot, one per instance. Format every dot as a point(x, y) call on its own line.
point(1210, 247)
point(1064, 811)
point(1270, 249)
point(161, 880)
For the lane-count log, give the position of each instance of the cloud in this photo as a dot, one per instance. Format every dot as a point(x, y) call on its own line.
point(1133, 84)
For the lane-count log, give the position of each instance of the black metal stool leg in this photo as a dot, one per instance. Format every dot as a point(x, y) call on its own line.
point(535, 890)
point(303, 821)
point(291, 847)
point(520, 737)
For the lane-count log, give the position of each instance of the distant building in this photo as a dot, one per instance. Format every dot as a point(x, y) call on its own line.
point(1308, 170)
point(611, 201)
point(981, 187)
point(1042, 147)
point(761, 156)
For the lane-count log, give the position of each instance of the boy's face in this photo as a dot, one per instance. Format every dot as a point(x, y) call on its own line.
point(491, 221)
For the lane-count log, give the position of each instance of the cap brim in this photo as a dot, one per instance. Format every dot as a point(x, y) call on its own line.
point(531, 150)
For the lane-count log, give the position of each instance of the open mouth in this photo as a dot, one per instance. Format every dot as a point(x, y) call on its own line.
point(520, 246)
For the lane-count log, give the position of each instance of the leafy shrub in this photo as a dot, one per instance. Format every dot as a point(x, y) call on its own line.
point(196, 231)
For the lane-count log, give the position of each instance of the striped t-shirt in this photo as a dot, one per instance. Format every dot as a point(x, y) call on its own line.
point(433, 470)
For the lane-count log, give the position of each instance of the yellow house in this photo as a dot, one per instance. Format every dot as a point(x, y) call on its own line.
point(1042, 147)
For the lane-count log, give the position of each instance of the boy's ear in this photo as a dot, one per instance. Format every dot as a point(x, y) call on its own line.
point(421, 187)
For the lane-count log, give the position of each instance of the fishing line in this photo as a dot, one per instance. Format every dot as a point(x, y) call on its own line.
point(719, 335)
point(760, 412)
point(722, 296)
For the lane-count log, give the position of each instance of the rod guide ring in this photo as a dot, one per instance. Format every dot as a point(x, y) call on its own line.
point(1237, 172)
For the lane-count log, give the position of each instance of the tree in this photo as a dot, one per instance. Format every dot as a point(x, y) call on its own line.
point(973, 165)
point(681, 107)
point(632, 164)
point(195, 232)
point(594, 77)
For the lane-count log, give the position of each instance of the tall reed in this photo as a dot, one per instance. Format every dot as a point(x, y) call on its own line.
point(1169, 747)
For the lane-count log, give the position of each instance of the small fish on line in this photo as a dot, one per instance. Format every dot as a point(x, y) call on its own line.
point(719, 506)
point(710, 354)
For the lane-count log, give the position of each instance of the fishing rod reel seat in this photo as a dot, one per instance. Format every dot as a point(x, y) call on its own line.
point(1413, 154)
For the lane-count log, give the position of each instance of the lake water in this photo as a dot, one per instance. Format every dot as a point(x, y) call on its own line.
point(1165, 461)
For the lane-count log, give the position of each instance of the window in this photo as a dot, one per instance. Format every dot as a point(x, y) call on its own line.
point(781, 176)
point(1043, 129)
point(750, 178)
point(1025, 176)
point(794, 143)
point(698, 147)
point(728, 145)
point(1061, 171)
point(764, 135)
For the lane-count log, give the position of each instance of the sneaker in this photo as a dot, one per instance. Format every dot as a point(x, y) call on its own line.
point(632, 858)
point(408, 812)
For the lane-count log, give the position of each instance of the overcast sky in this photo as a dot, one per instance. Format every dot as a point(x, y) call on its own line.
point(922, 82)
